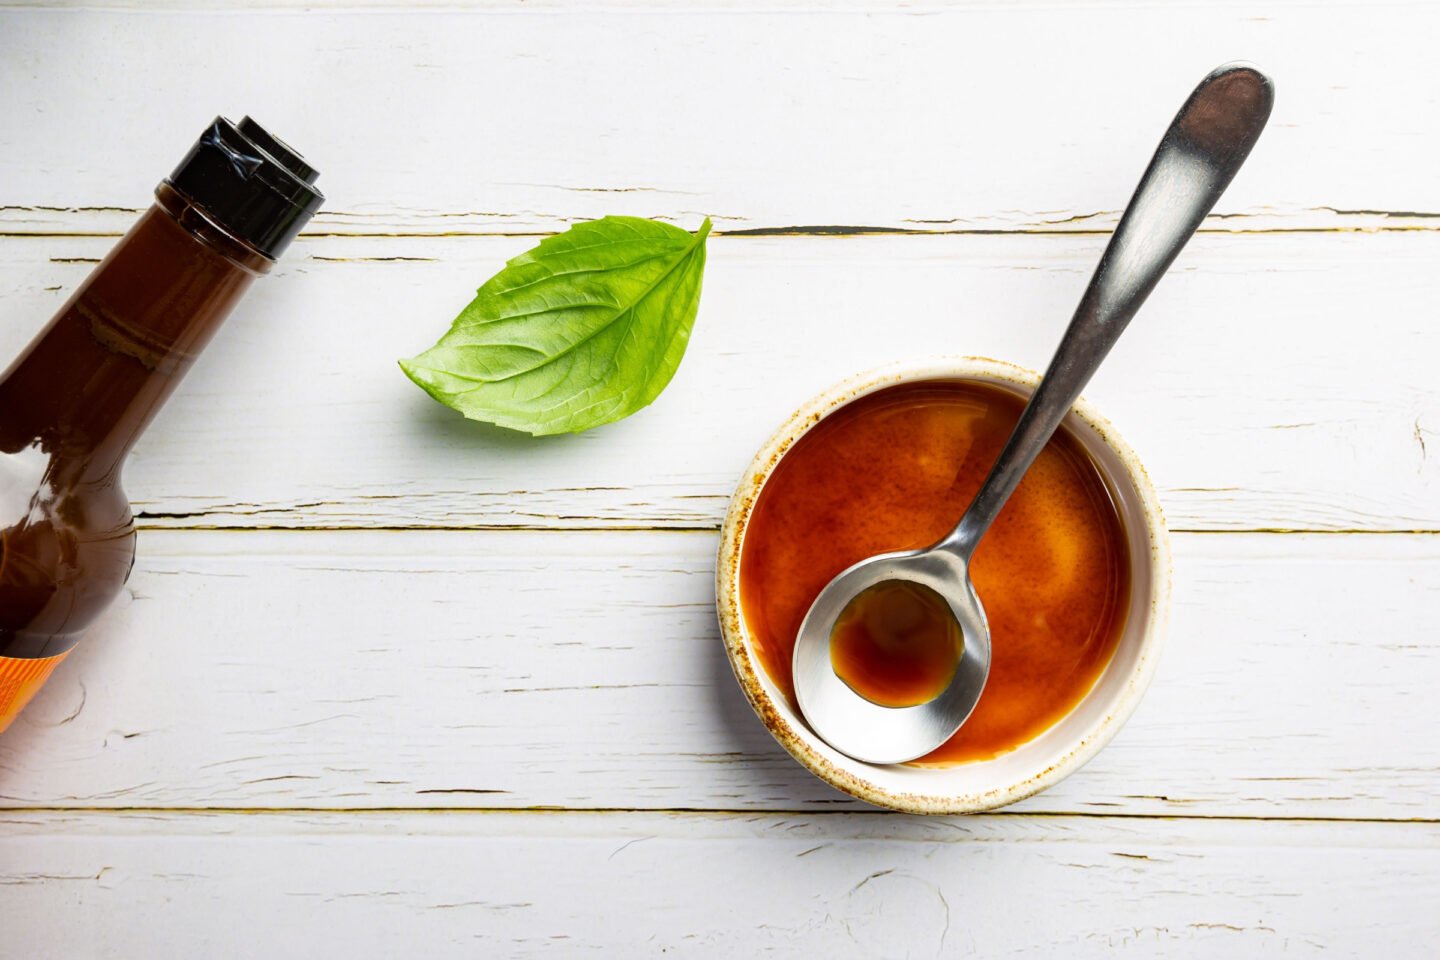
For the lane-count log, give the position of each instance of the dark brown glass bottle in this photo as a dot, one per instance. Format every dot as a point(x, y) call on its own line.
point(76, 400)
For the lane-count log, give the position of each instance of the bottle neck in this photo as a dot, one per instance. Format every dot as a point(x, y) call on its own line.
point(88, 386)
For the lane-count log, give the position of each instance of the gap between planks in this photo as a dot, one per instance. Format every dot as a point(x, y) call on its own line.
point(1099, 223)
point(711, 530)
point(707, 812)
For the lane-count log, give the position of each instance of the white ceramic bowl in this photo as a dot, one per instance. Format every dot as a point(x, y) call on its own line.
point(1059, 751)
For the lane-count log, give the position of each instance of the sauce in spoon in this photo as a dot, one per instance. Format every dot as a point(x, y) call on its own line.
point(896, 644)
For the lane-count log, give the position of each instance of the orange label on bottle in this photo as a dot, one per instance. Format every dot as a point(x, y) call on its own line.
point(19, 679)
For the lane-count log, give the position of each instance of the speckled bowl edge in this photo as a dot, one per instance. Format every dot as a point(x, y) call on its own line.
point(748, 671)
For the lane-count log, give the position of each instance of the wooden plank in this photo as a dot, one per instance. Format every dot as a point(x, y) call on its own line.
point(1272, 382)
point(429, 669)
point(641, 884)
point(937, 116)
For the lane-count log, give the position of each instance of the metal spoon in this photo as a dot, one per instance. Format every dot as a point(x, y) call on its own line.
point(1205, 145)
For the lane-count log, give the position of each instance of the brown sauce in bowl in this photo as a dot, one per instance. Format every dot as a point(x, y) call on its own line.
point(894, 470)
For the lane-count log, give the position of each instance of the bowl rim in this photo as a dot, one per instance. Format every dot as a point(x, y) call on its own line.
point(736, 636)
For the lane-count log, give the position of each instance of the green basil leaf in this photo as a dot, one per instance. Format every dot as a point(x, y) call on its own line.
point(585, 329)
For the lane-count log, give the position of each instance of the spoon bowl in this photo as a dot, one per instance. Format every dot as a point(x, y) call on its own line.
point(870, 731)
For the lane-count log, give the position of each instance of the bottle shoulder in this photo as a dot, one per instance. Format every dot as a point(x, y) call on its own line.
point(36, 482)
point(67, 544)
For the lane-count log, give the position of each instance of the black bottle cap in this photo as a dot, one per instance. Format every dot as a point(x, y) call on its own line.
point(251, 183)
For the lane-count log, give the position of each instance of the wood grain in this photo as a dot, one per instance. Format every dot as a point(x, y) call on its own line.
point(1275, 382)
point(640, 884)
point(384, 710)
point(311, 669)
point(940, 116)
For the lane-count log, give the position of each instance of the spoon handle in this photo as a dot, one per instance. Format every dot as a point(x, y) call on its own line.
point(1205, 145)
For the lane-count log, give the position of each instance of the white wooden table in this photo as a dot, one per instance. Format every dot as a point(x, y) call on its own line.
point(386, 682)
